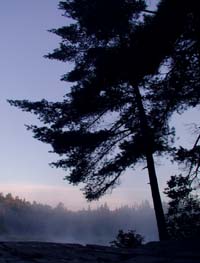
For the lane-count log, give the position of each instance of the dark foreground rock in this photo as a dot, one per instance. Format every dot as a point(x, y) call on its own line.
point(154, 252)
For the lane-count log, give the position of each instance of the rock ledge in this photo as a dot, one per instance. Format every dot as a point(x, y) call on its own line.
point(153, 252)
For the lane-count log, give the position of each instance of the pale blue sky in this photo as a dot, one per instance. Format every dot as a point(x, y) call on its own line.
point(25, 74)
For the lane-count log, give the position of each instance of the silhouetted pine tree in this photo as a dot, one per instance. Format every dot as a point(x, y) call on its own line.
point(117, 111)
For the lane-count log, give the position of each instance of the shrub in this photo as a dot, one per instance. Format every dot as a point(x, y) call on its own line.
point(128, 239)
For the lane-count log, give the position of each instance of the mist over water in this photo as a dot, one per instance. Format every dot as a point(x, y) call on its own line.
point(24, 221)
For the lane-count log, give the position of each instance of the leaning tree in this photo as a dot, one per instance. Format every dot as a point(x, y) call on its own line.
point(116, 113)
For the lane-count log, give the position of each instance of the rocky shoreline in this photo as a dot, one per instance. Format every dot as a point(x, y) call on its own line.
point(153, 252)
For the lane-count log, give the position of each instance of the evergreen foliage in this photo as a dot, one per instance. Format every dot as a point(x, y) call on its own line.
point(183, 216)
point(97, 128)
point(191, 160)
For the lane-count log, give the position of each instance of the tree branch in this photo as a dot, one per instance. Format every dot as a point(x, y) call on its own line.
point(149, 11)
point(191, 165)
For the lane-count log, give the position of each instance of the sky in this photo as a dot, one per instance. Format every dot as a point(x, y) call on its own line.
point(26, 74)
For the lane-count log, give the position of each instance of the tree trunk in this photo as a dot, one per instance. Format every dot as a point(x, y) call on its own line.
point(160, 218)
point(147, 138)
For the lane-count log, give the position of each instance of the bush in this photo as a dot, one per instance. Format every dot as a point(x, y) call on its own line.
point(127, 240)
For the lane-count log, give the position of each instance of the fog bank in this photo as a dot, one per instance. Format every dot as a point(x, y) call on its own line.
point(25, 221)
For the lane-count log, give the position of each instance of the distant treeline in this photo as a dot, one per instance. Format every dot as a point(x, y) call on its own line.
point(22, 220)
